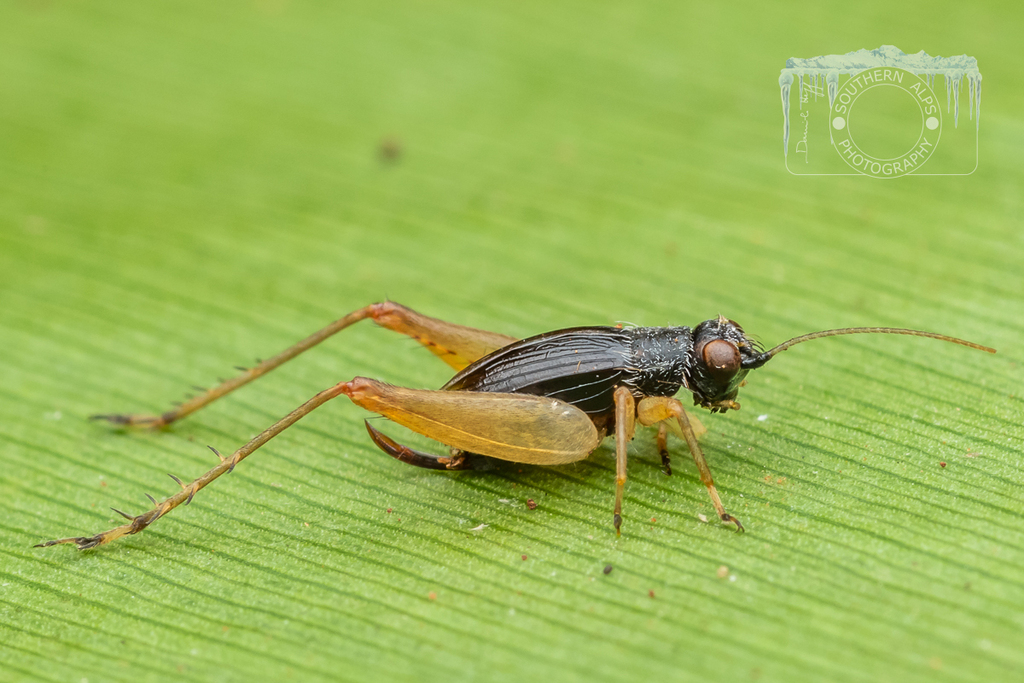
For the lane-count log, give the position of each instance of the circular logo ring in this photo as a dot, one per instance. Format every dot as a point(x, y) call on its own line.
point(923, 96)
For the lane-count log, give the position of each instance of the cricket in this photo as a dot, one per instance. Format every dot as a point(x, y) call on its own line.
point(550, 399)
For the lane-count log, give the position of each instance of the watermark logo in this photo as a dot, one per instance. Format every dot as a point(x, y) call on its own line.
point(876, 113)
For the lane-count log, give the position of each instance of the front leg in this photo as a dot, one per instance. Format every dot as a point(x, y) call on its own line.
point(662, 439)
point(669, 411)
point(666, 460)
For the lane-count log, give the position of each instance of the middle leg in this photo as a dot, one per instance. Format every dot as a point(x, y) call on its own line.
point(625, 426)
point(456, 460)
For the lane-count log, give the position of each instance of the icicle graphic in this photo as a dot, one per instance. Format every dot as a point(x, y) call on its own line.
point(956, 98)
point(970, 91)
point(833, 86)
point(785, 81)
point(830, 67)
point(977, 100)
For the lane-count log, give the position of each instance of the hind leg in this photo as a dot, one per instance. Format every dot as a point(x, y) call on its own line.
point(139, 523)
point(535, 430)
point(456, 345)
point(515, 427)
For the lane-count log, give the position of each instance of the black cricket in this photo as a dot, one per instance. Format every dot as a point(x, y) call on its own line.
point(546, 400)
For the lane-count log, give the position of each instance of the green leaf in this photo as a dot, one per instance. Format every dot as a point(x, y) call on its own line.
point(187, 188)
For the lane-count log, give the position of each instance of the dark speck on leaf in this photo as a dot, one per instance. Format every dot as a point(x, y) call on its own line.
point(390, 150)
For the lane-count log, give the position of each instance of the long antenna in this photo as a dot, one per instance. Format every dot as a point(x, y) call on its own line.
point(763, 358)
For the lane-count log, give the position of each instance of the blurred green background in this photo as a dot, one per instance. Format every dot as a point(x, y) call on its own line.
point(187, 186)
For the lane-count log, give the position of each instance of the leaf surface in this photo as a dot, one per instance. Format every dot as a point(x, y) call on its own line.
point(187, 188)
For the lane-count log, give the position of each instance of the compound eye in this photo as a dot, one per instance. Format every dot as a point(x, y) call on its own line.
point(722, 359)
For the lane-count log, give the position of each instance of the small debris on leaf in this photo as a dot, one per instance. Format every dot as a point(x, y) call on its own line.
point(479, 527)
point(389, 149)
point(722, 572)
point(702, 518)
point(942, 464)
point(530, 503)
point(524, 558)
point(650, 593)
